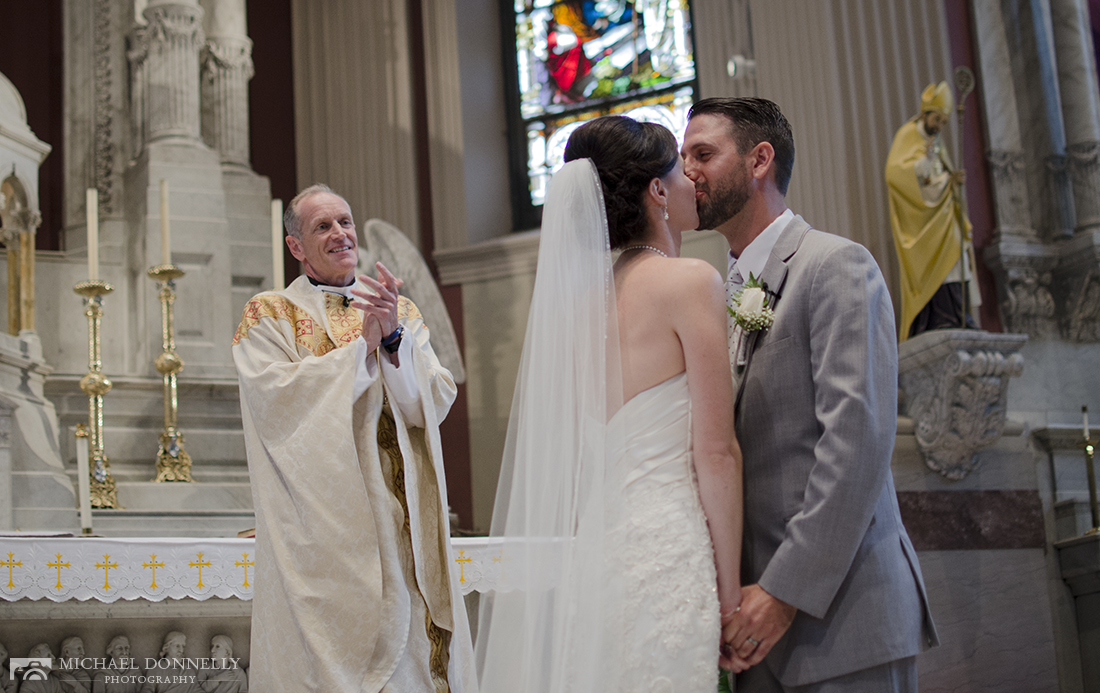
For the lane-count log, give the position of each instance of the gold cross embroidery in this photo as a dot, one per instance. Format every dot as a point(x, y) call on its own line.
point(106, 571)
point(154, 565)
point(199, 563)
point(244, 563)
point(59, 565)
point(501, 560)
point(462, 561)
point(10, 563)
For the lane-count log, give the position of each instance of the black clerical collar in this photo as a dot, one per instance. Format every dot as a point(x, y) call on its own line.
point(318, 283)
point(330, 289)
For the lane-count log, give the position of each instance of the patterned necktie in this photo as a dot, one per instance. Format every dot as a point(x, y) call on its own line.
point(733, 285)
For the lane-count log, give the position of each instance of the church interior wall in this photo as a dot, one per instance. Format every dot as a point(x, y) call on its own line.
point(1059, 377)
point(32, 61)
point(1004, 614)
point(484, 126)
point(357, 140)
point(847, 76)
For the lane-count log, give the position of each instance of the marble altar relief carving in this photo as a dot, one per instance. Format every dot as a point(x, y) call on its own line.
point(954, 384)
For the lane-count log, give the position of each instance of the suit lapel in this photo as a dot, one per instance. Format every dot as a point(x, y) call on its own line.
point(773, 278)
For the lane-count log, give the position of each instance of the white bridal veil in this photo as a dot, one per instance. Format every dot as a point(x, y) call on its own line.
point(550, 626)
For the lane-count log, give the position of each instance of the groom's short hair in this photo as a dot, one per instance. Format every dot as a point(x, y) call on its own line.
point(752, 121)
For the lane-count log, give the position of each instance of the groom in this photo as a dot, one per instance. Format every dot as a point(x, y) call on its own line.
point(833, 597)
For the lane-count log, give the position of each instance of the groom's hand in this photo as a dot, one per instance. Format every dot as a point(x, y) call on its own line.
point(758, 625)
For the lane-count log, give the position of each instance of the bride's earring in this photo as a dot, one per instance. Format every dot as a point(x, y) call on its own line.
point(666, 213)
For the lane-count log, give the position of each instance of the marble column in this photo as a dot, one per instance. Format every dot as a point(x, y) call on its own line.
point(226, 70)
point(1021, 264)
point(1080, 105)
point(1077, 280)
point(1047, 134)
point(169, 50)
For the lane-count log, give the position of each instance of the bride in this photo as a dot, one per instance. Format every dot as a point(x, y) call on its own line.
point(619, 506)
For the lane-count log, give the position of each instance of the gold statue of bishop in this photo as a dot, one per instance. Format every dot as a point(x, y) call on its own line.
point(928, 218)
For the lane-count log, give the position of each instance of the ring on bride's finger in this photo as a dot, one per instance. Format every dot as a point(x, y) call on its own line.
point(753, 641)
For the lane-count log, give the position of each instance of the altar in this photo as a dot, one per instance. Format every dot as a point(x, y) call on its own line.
point(54, 587)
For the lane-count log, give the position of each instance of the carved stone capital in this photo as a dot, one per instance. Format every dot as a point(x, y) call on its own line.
point(226, 69)
point(1084, 173)
point(1059, 208)
point(954, 385)
point(1009, 169)
point(169, 97)
point(227, 54)
point(174, 22)
point(15, 216)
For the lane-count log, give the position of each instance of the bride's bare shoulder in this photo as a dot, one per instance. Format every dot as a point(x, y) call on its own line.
point(677, 285)
point(679, 274)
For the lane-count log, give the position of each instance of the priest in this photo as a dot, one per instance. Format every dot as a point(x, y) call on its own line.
point(928, 221)
point(341, 398)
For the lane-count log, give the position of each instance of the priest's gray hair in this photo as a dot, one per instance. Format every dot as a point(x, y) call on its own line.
point(291, 221)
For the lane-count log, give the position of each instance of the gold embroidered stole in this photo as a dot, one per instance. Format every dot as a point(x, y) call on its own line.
point(440, 639)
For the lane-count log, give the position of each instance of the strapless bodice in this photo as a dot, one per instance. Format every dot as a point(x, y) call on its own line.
point(655, 426)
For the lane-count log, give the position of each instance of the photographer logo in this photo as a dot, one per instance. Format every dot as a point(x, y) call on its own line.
point(29, 668)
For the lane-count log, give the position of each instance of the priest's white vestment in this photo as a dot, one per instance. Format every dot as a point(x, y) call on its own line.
point(355, 590)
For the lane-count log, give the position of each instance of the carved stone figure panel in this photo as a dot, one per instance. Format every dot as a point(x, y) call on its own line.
point(1024, 275)
point(954, 385)
point(1010, 192)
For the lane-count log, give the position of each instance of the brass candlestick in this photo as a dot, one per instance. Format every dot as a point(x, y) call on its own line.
point(95, 385)
point(173, 462)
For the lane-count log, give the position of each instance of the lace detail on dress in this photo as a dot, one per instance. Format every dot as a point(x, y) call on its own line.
point(663, 556)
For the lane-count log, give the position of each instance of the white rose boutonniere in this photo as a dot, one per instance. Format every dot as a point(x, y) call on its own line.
point(752, 302)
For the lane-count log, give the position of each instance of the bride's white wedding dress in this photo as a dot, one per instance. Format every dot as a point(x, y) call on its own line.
point(661, 549)
point(607, 580)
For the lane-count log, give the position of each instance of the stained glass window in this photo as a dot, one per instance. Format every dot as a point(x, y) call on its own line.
point(578, 59)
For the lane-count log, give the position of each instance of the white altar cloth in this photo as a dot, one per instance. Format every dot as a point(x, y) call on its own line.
point(154, 569)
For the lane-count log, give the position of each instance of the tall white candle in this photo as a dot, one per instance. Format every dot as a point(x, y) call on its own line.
point(277, 244)
point(84, 485)
point(165, 240)
point(93, 233)
point(1085, 413)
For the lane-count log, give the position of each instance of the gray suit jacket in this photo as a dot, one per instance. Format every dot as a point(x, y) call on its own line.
point(816, 416)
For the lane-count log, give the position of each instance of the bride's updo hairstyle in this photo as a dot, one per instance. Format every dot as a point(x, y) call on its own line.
point(627, 155)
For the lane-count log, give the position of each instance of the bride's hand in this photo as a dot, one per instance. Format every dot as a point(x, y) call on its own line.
point(757, 625)
point(728, 659)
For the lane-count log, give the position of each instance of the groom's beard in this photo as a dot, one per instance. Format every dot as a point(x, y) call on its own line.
point(724, 201)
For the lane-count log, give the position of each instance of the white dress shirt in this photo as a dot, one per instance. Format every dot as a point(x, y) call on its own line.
point(755, 256)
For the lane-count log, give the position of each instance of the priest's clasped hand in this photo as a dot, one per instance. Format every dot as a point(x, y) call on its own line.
point(380, 307)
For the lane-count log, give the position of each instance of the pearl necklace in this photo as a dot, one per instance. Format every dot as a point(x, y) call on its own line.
point(645, 247)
